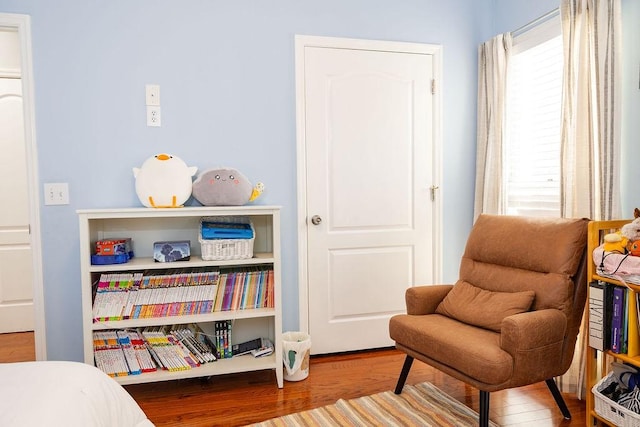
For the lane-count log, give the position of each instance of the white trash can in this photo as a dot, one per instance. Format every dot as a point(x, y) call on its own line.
point(296, 348)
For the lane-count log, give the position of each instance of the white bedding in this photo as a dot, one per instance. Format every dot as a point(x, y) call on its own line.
point(56, 393)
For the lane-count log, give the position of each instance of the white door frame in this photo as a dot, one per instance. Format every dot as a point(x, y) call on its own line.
point(302, 42)
point(22, 24)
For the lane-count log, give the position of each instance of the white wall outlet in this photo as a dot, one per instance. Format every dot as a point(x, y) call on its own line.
point(56, 193)
point(153, 116)
point(153, 95)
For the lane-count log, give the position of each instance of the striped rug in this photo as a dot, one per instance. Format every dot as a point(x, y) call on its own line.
point(419, 405)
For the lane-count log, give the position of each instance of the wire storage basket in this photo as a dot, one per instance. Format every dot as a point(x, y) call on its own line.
point(218, 238)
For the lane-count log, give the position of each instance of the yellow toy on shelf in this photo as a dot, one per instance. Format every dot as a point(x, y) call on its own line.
point(615, 242)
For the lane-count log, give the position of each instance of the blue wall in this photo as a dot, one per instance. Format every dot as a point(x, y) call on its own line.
point(226, 72)
point(631, 106)
point(509, 15)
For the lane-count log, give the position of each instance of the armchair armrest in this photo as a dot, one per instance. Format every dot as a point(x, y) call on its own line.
point(532, 330)
point(424, 299)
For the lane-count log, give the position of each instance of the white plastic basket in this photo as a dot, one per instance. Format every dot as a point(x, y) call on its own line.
point(610, 410)
point(226, 249)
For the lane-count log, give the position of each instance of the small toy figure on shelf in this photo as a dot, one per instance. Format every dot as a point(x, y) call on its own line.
point(632, 232)
point(615, 242)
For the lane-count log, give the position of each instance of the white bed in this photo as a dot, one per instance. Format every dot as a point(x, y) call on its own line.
point(56, 393)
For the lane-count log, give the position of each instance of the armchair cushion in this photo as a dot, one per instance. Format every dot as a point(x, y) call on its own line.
point(472, 351)
point(483, 308)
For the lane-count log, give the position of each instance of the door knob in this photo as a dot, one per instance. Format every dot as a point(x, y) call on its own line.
point(315, 220)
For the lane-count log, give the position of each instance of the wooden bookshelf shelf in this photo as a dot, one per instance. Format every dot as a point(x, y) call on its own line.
point(246, 363)
point(181, 320)
point(148, 263)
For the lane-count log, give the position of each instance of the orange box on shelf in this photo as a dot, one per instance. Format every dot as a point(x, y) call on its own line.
point(117, 246)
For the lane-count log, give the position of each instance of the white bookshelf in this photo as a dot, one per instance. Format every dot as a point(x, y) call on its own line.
point(146, 226)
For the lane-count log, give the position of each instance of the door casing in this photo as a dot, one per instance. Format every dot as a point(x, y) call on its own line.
point(22, 24)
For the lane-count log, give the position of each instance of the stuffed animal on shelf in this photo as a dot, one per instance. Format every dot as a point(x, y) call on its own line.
point(225, 187)
point(164, 181)
point(632, 232)
point(634, 248)
point(615, 242)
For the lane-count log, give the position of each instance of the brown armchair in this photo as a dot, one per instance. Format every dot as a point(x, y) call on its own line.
point(513, 316)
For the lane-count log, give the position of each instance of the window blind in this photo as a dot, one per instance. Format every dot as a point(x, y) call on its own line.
point(533, 112)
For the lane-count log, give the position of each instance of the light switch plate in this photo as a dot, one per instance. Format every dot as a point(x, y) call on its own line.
point(152, 94)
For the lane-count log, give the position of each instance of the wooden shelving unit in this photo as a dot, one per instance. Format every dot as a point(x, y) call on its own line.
point(146, 226)
point(597, 365)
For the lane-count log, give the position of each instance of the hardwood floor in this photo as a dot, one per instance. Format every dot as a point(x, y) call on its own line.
point(240, 399)
point(18, 347)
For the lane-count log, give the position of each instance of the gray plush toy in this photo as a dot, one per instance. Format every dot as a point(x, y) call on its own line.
point(225, 187)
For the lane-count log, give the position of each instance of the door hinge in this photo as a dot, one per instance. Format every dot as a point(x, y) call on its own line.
point(433, 86)
point(433, 189)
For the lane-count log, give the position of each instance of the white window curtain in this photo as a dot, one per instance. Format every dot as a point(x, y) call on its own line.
point(592, 111)
point(590, 138)
point(493, 57)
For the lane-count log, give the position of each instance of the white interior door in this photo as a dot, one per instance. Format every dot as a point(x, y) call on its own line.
point(368, 118)
point(16, 259)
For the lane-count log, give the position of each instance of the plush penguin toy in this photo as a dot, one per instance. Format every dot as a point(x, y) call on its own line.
point(164, 181)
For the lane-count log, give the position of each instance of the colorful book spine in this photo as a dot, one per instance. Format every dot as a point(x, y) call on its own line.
point(624, 340)
point(222, 338)
point(616, 319)
point(122, 296)
point(596, 315)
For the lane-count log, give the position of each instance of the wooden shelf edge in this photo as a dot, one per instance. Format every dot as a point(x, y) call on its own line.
point(179, 320)
point(223, 366)
point(635, 360)
point(136, 212)
point(146, 263)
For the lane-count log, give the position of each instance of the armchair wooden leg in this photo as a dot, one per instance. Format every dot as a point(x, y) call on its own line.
point(403, 375)
point(553, 387)
point(484, 409)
